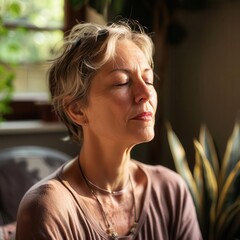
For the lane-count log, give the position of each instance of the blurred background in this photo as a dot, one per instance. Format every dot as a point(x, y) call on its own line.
point(197, 58)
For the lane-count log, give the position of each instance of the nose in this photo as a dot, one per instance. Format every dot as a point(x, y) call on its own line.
point(143, 91)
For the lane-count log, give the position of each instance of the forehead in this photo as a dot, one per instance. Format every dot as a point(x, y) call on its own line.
point(127, 55)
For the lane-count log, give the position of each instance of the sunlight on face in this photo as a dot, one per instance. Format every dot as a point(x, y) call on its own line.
point(122, 99)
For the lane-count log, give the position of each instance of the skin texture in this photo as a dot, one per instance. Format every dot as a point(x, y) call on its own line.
point(119, 93)
point(120, 114)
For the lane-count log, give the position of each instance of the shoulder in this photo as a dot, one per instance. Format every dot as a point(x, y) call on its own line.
point(44, 198)
point(169, 196)
point(163, 176)
point(44, 210)
point(167, 188)
point(165, 182)
point(41, 195)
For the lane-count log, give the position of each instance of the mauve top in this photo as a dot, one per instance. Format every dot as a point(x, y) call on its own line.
point(52, 209)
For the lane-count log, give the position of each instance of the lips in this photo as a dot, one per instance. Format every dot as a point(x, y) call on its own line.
point(144, 116)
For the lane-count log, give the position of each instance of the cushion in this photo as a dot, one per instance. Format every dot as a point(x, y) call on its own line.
point(15, 180)
point(20, 168)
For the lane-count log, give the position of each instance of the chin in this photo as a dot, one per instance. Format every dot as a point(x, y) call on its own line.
point(141, 135)
point(147, 137)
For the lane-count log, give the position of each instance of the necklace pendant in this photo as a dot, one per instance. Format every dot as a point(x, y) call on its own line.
point(113, 234)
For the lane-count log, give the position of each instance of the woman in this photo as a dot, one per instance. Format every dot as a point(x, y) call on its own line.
point(102, 89)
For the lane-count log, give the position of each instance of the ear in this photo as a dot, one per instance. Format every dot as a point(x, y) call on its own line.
point(75, 112)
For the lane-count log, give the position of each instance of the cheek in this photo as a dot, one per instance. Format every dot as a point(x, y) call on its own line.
point(118, 98)
point(119, 106)
point(109, 106)
point(122, 99)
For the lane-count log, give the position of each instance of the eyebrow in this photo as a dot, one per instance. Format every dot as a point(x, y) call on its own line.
point(128, 70)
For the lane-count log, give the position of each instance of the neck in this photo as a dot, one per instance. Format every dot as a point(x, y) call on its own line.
point(108, 168)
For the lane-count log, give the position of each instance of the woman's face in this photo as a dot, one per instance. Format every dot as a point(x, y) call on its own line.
point(122, 100)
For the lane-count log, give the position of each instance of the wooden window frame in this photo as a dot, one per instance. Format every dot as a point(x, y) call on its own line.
point(26, 109)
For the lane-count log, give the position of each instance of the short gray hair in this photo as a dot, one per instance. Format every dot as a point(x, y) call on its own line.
point(86, 49)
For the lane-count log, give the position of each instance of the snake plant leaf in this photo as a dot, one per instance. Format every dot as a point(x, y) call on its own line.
point(232, 153)
point(198, 177)
point(225, 221)
point(217, 184)
point(210, 184)
point(230, 190)
point(208, 170)
point(181, 164)
point(207, 143)
point(198, 174)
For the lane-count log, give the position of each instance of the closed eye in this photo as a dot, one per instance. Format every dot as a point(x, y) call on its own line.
point(121, 84)
point(127, 83)
point(149, 83)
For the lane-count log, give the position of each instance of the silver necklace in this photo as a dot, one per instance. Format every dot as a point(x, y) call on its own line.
point(114, 193)
point(110, 231)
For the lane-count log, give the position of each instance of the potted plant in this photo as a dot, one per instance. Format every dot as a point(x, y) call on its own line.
point(214, 184)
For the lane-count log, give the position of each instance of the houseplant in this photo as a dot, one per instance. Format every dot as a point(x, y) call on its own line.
point(6, 89)
point(7, 74)
point(214, 184)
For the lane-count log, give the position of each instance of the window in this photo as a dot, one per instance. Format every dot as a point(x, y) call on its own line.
point(30, 32)
point(34, 28)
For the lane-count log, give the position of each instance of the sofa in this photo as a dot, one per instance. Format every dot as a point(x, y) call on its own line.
point(20, 168)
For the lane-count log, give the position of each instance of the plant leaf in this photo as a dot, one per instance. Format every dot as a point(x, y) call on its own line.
point(207, 143)
point(197, 173)
point(208, 171)
point(226, 218)
point(15, 9)
point(229, 191)
point(232, 154)
point(198, 176)
point(210, 187)
point(182, 166)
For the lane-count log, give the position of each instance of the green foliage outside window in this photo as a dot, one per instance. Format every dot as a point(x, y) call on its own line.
point(30, 30)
